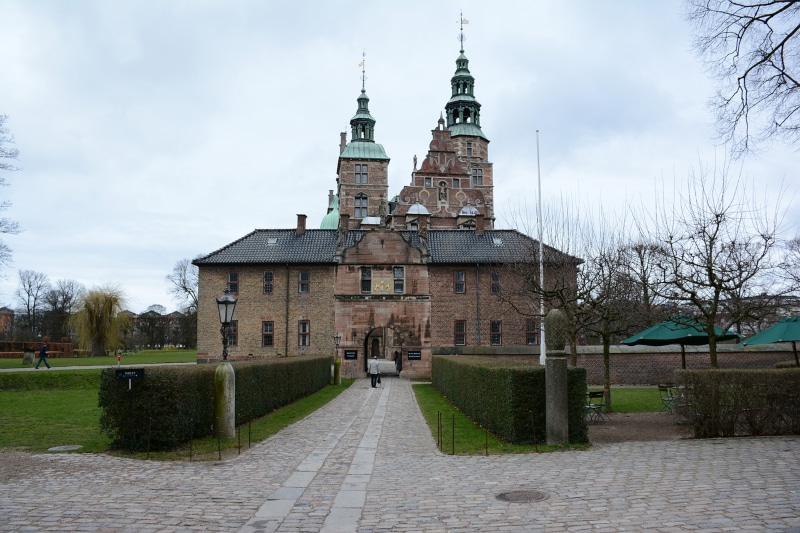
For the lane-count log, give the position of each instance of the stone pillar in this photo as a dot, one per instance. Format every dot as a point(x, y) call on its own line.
point(557, 419)
point(225, 400)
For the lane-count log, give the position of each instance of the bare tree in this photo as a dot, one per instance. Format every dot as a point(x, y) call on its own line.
point(7, 226)
point(60, 302)
point(718, 250)
point(753, 48)
point(184, 281)
point(33, 286)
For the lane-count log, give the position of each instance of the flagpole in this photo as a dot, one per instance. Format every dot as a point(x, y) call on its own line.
point(542, 356)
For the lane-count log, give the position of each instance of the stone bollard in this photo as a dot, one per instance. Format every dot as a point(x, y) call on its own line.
point(557, 419)
point(27, 357)
point(225, 400)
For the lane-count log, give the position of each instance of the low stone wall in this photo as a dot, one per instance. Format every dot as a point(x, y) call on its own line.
point(648, 365)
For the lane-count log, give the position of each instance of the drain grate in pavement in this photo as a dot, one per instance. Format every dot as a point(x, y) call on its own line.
point(522, 496)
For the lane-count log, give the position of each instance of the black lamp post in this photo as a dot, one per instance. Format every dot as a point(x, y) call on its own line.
point(225, 305)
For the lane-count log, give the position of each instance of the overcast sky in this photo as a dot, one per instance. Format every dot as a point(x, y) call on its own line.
point(152, 131)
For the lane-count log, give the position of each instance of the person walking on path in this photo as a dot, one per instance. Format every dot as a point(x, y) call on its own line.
point(43, 356)
point(373, 370)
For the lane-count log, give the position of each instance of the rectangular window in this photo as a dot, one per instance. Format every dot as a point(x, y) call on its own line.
point(460, 332)
point(399, 279)
point(495, 282)
point(496, 332)
point(304, 283)
point(268, 282)
point(304, 333)
point(267, 331)
point(429, 182)
point(233, 282)
point(456, 183)
point(360, 207)
point(530, 333)
point(459, 281)
point(361, 174)
point(366, 280)
point(233, 333)
point(469, 149)
point(477, 177)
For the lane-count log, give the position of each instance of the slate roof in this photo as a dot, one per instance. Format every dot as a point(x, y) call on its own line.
point(265, 246)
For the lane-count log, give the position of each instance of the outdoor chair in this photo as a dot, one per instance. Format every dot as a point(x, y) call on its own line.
point(667, 392)
point(595, 404)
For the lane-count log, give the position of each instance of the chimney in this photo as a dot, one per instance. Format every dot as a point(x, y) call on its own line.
point(344, 221)
point(301, 225)
point(330, 200)
point(342, 141)
point(479, 224)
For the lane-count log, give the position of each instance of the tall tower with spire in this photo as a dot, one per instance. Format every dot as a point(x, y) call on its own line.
point(453, 187)
point(362, 168)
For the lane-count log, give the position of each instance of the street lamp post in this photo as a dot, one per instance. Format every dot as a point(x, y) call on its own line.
point(224, 377)
point(226, 305)
point(337, 363)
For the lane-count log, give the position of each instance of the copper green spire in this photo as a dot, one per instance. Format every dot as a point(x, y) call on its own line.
point(362, 125)
point(463, 110)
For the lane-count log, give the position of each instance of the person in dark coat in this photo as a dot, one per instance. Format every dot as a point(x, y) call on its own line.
point(43, 357)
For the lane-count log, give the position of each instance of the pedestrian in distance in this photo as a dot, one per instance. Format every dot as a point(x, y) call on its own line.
point(43, 357)
point(373, 370)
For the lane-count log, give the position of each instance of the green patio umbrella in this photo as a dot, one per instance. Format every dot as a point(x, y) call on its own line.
point(681, 330)
point(785, 330)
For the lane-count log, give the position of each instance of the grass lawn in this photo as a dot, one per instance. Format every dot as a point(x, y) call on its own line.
point(471, 439)
point(634, 399)
point(144, 357)
point(41, 410)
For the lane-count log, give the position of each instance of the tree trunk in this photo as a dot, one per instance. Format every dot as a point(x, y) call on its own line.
point(98, 348)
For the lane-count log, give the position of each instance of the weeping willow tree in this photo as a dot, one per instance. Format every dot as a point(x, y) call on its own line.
point(98, 320)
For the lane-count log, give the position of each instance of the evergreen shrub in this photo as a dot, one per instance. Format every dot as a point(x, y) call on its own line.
point(174, 404)
point(739, 402)
point(508, 396)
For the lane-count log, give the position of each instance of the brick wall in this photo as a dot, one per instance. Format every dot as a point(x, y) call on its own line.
point(254, 307)
point(639, 365)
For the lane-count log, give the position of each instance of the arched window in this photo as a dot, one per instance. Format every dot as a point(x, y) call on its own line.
point(360, 206)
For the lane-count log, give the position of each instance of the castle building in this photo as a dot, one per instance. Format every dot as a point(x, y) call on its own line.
point(402, 277)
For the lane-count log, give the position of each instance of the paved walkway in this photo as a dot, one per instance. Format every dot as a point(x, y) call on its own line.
point(367, 462)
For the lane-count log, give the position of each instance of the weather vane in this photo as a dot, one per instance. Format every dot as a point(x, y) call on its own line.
point(461, 36)
point(363, 68)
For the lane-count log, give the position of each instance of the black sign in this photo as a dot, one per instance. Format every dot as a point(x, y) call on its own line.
point(351, 354)
point(414, 354)
point(129, 373)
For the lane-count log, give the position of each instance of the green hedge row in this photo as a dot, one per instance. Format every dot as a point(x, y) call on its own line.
point(174, 404)
point(508, 397)
point(731, 402)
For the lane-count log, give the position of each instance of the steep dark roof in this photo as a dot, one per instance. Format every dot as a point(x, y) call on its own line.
point(266, 246)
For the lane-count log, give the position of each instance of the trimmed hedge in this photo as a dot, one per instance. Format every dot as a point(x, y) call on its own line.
point(508, 397)
point(738, 402)
point(174, 404)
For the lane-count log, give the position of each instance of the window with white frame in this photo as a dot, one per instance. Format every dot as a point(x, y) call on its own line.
point(267, 333)
point(304, 333)
point(496, 330)
point(304, 281)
